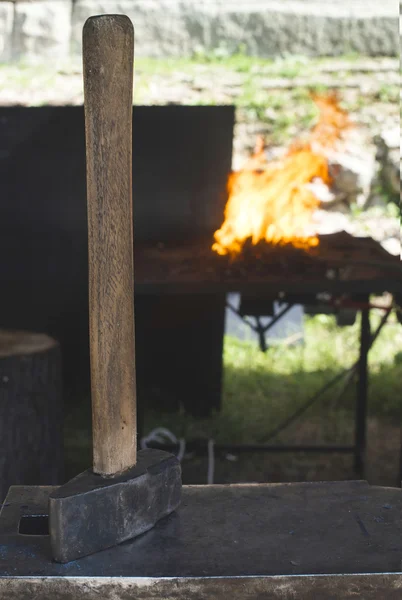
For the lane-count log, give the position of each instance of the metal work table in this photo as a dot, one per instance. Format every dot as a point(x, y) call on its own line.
point(341, 264)
point(263, 541)
point(342, 272)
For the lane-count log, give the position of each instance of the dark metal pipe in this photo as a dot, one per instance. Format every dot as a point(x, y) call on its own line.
point(202, 448)
point(362, 389)
point(259, 328)
point(302, 409)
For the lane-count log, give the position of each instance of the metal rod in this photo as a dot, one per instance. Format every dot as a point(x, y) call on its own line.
point(306, 406)
point(400, 464)
point(202, 448)
point(236, 312)
point(356, 305)
point(261, 335)
point(276, 318)
point(327, 386)
point(384, 319)
point(258, 328)
point(348, 380)
point(361, 399)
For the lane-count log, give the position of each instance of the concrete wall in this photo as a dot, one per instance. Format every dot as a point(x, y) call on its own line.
point(43, 29)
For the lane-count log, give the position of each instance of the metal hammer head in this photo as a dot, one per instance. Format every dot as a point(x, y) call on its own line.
point(91, 512)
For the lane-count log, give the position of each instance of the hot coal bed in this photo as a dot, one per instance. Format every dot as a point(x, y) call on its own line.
point(181, 160)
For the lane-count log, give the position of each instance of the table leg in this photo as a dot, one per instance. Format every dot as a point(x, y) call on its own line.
point(361, 400)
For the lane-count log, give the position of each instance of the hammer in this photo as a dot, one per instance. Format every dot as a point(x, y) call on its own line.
point(124, 494)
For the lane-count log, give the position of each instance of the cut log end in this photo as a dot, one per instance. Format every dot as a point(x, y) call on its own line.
point(31, 411)
point(17, 343)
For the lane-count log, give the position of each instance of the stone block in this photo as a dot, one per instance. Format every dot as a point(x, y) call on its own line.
point(160, 26)
point(267, 29)
point(42, 30)
point(6, 30)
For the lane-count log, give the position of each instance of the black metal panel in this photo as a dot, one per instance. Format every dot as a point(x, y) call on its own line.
point(256, 305)
point(181, 158)
point(180, 357)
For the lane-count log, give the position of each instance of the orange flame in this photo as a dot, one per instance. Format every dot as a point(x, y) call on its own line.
point(271, 201)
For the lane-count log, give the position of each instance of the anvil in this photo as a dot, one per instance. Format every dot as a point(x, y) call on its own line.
point(245, 541)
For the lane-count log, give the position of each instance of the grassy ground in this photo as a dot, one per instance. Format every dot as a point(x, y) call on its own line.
point(250, 84)
point(261, 390)
point(225, 78)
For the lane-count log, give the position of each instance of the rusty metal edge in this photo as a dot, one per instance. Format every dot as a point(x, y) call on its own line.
point(374, 586)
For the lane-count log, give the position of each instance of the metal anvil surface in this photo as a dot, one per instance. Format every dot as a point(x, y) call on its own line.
point(262, 541)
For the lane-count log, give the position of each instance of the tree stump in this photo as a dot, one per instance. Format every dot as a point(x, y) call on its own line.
point(31, 423)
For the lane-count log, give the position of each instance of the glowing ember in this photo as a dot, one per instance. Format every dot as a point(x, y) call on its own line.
point(272, 201)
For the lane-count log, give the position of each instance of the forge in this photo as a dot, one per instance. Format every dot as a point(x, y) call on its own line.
point(268, 250)
point(340, 264)
point(338, 276)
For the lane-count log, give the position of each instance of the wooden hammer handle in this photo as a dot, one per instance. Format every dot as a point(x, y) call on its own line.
point(108, 55)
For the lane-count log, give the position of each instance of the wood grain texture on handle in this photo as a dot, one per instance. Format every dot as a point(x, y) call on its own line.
point(108, 56)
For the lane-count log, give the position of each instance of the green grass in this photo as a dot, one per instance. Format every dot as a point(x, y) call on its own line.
point(24, 75)
point(283, 114)
point(260, 390)
point(239, 62)
point(287, 67)
point(389, 93)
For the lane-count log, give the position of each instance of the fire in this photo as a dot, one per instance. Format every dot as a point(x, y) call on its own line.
point(272, 201)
